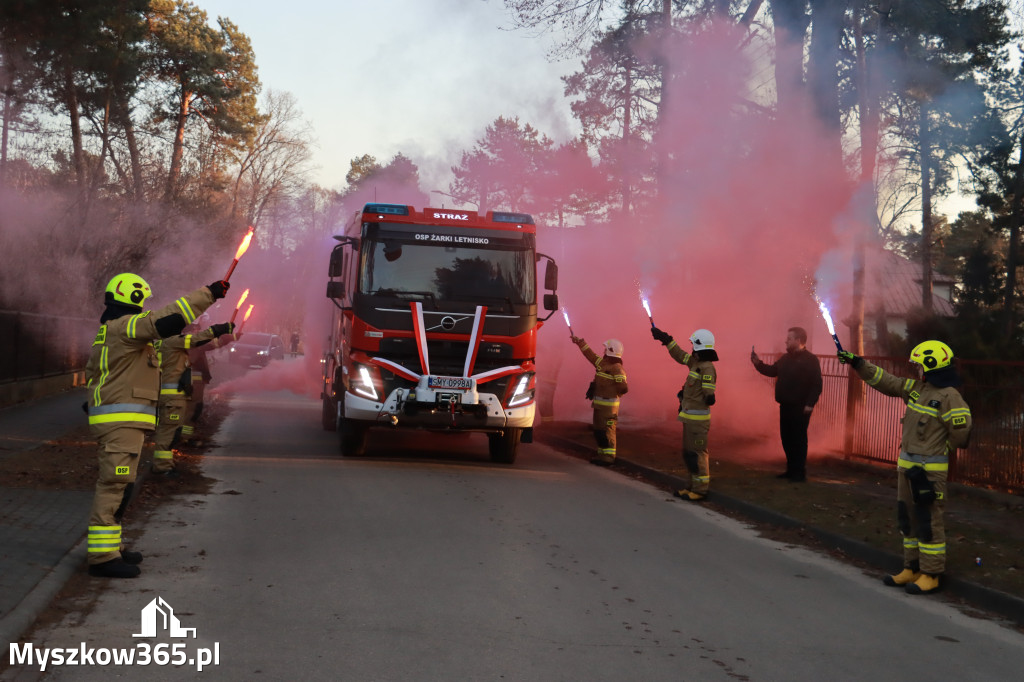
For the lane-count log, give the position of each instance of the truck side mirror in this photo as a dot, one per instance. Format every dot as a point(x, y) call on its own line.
point(551, 279)
point(335, 290)
point(337, 259)
point(551, 302)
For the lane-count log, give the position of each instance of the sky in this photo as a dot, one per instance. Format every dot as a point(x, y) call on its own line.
point(420, 77)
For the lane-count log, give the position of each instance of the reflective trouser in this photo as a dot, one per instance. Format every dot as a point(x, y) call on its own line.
point(194, 407)
point(695, 453)
point(169, 420)
point(118, 455)
point(922, 525)
point(606, 417)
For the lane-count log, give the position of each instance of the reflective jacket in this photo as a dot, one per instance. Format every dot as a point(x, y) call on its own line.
point(200, 365)
point(937, 420)
point(699, 386)
point(123, 372)
point(174, 359)
point(610, 379)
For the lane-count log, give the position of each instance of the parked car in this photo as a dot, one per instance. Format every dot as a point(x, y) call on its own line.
point(256, 349)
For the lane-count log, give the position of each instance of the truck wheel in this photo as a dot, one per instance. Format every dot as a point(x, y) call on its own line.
point(329, 412)
point(352, 438)
point(329, 415)
point(503, 446)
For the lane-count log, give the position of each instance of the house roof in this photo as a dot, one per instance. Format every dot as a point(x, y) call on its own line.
point(892, 284)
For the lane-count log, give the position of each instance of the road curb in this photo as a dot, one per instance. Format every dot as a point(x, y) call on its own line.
point(23, 616)
point(998, 602)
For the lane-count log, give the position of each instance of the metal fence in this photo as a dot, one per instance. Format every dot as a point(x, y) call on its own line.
point(34, 346)
point(993, 390)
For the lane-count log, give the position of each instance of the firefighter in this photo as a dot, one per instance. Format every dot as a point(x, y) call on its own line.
point(937, 421)
point(609, 383)
point(123, 377)
point(199, 375)
point(201, 378)
point(175, 389)
point(695, 401)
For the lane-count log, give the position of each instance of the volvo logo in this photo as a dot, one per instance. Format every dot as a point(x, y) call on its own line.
point(448, 322)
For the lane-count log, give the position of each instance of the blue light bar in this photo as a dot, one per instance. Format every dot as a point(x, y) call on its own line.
point(512, 218)
point(392, 209)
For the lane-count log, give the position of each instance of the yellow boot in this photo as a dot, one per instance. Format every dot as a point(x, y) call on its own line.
point(905, 577)
point(925, 584)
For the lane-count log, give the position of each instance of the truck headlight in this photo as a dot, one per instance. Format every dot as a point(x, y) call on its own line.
point(523, 390)
point(365, 380)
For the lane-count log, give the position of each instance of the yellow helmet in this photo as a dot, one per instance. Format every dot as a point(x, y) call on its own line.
point(932, 355)
point(128, 289)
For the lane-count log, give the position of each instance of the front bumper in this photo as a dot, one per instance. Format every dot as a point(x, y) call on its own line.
point(427, 408)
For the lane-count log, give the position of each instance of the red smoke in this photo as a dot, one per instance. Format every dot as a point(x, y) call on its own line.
point(748, 213)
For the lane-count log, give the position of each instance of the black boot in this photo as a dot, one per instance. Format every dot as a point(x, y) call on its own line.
point(115, 568)
point(130, 557)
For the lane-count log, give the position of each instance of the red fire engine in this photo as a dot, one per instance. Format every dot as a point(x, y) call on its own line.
point(435, 325)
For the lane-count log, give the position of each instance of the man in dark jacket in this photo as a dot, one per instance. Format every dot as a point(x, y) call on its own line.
point(797, 388)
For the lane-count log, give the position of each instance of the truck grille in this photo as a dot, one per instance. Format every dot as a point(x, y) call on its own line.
point(446, 358)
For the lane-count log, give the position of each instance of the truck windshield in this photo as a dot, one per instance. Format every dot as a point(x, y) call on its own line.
point(415, 267)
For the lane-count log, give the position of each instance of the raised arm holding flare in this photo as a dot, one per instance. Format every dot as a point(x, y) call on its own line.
point(937, 421)
point(608, 385)
point(695, 401)
point(123, 377)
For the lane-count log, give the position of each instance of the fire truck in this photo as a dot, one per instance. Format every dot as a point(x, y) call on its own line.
point(435, 325)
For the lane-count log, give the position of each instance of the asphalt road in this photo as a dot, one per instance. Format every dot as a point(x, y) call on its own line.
point(435, 564)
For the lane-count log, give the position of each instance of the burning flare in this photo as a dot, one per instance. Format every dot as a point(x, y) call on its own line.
point(242, 248)
point(246, 318)
point(565, 314)
point(828, 320)
point(647, 307)
point(245, 295)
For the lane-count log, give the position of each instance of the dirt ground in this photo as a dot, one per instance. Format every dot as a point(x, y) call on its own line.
point(69, 463)
point(853, 499)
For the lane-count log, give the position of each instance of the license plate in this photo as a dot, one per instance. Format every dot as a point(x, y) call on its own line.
point(450, 383)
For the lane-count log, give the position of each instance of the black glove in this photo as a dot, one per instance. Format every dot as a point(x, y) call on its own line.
point(185, 382)
point(921, 489)
point(709, 399)
point(219, 289)
point(846, 356)
point(659, 335)
point(222, 328)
